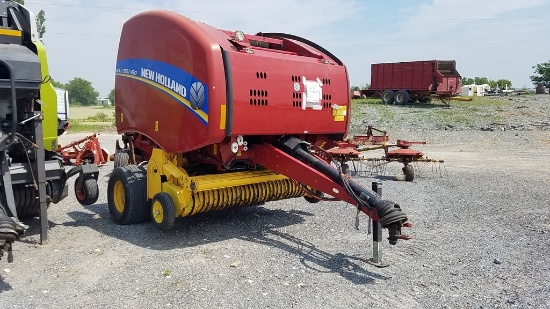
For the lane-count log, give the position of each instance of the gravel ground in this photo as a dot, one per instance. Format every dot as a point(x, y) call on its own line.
point(480, 238)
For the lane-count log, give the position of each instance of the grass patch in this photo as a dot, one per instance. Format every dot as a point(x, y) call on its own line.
point(78, 125)
point(101, 117)
point(100, 122)
point(480, 111)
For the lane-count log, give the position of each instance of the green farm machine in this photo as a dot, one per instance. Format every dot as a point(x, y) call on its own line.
point(32, 172)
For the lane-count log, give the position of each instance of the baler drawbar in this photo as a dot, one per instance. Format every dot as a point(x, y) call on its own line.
point(212, 119)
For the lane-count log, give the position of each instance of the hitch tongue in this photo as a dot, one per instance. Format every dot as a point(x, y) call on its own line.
point(395, 234)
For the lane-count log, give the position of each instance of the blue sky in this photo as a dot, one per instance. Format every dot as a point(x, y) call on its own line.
point(492, 38)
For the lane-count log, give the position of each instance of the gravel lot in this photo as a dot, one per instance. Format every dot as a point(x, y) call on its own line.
point(481, 237)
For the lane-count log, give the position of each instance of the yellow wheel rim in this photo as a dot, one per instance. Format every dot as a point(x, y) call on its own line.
point(158, 214)
point(118, 194)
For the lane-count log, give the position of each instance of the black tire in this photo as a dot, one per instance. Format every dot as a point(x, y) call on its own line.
point(318, 196)
point(26, 199)
point(122, 158)
point(127, 195)
point(88, 193)
point(163, 211)
point(388, 97)
point(401, 97)
point(345, 169)
point(408, 170)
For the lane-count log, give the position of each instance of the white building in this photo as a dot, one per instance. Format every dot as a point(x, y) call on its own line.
point(103, 102)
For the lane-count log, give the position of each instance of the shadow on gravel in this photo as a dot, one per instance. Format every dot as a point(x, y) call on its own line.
point(255, 224)
point(4, 286)
point(433, 104)
point(346, 266)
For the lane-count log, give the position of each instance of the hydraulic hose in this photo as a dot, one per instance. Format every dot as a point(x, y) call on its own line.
point(388, 212)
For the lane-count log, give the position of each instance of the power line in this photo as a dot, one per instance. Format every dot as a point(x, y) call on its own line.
point(343, 16)
point(356, 42)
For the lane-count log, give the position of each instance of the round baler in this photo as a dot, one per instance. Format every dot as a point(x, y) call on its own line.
point(213, 119)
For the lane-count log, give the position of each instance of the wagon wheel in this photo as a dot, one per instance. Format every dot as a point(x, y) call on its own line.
point(408, 170)
point(127, 195)
point(86, 191)
point(388, 97)
point(401, 97)
point(163, 211)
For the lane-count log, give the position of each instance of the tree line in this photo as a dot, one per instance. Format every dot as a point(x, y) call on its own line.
point(81, 91)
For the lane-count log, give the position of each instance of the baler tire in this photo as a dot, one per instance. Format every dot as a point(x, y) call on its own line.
point(122, 158)
point(163, 211)
point(388, 97)
point(401, 97)
point(319, 195)
point(88, 193)
point(408, 170)
point(127, 195)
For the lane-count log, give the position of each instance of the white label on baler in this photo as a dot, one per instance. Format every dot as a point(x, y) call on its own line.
point(313, 92)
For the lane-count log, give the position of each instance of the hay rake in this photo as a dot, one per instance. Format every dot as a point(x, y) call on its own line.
point(350, 155)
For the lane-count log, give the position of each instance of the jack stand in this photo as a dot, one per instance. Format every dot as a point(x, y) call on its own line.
point(376, 259)
point(40, 176)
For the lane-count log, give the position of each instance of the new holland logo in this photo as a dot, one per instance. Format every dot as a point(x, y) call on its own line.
point(197, 95)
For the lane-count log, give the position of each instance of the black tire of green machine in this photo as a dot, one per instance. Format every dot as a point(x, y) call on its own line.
point(134, 181)
point(408, 170)
point(168, 209)
point(388, 97)
point(122, 158)
point(26, 201)
point(89, 189)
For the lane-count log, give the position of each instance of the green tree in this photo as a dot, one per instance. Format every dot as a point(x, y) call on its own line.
point(503, 83)
point(481, 80)
point(19, 1)
point(111, 96)
point(81, 91)
point(354, 88)
point(467, 81)
point(40, 20)
point(57, 84)
point(542, 74)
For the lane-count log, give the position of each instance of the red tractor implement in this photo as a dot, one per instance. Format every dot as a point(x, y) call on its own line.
point(84, 150)
point(213, 119)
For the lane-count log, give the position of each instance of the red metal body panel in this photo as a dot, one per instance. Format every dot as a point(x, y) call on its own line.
point(432, 76)
point(271, 106)
point(267, 81)
point(172, 39)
